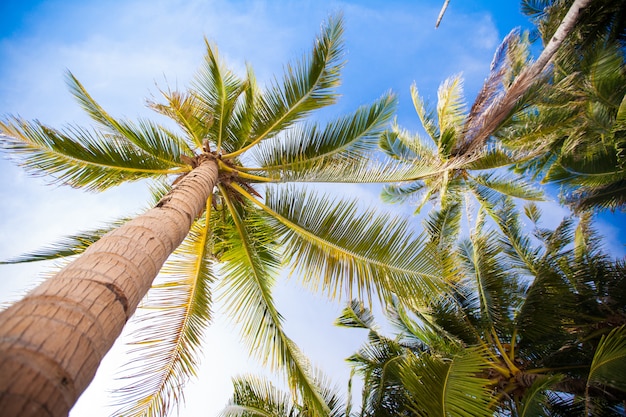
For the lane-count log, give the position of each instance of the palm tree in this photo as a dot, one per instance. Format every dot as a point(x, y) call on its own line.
point(577, 123)
point(231, 138)
point(454, 175)
point(529, 330)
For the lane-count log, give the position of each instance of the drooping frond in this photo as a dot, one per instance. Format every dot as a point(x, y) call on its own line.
point(306, 86)
point(218, 89)
point(513, 187)
point(68, 246)
point(536, 399)
point(250, 266)
point(79, 157)
point(368, 254)
point(443, 388)
point(305, 148)
point(168, 342)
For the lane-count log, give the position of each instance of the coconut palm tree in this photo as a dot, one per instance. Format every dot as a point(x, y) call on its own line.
point(577, 123)
point(454, 175)
point(231, 141)
point(529, 330)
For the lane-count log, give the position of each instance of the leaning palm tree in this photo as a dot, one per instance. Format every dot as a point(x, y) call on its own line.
point(579, 119)
point(454, 176)
point(530, 330)
point(232, 141)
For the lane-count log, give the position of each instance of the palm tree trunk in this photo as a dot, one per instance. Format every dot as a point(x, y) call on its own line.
point(52, 341)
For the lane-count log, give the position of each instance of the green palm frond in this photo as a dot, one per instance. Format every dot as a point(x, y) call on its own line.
point(168, 342)
point(536, 398)
point(493, 157)
point(185, 109)
point(609, 361)
point(426, 116)
point(447, 387)
point(451, 114)
point(401, 192)
point(306, 147)
point(364, 170)
point(306, 86)
point(218, 89)
point(356, 316)
point(369, 253)
point(505, 185)
point(379, 361)
point(68, 246)
point(250, 265)
point(403, 145)
point(79, 157)
point(147, 136)
point(257, 397)
point(482, 268)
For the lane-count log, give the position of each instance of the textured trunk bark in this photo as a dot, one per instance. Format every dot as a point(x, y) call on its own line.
point(52, 341)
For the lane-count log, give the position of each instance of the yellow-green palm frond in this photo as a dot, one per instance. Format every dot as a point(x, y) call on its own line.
point(403, 145)
point(147, 136)
point(250, 264)
point(401, 192)
point(80, 157)
point(451, 114)
point(258, 397)
point(427, 116)
point(609, 361)
point(306, 86)
point(512, 187)
point(67, 246)
point(304, 148)
point(243, 117)
point(535, 400)
point(184, 108)
point(369, 170)
point(218, 89)
point(346, 251)
point(440, 387)
point(170, 334)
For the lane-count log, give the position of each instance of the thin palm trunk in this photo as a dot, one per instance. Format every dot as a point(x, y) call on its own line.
point(52, 341)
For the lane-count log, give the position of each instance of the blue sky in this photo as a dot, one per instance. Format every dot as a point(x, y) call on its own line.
point(122, 51)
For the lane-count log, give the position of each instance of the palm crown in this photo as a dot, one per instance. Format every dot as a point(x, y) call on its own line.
point(530, 329)
point(242, 239)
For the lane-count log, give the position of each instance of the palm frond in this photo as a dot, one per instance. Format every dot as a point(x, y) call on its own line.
point(450, 113)
point(257, 397)
point(146, 135)
point(218, 89)
point(67, 246)
point(185, 109)
point(306, 86)
point(609, 361)
point(346, 251)
point(513, 187)
point(250, 265)
point(452, 387)
point(535, 400)
point(79, 157)
point(349, 137)
point(405, 146)
point(401, 192)
point(168, 342)
point(356, 315)
point(426, 116)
